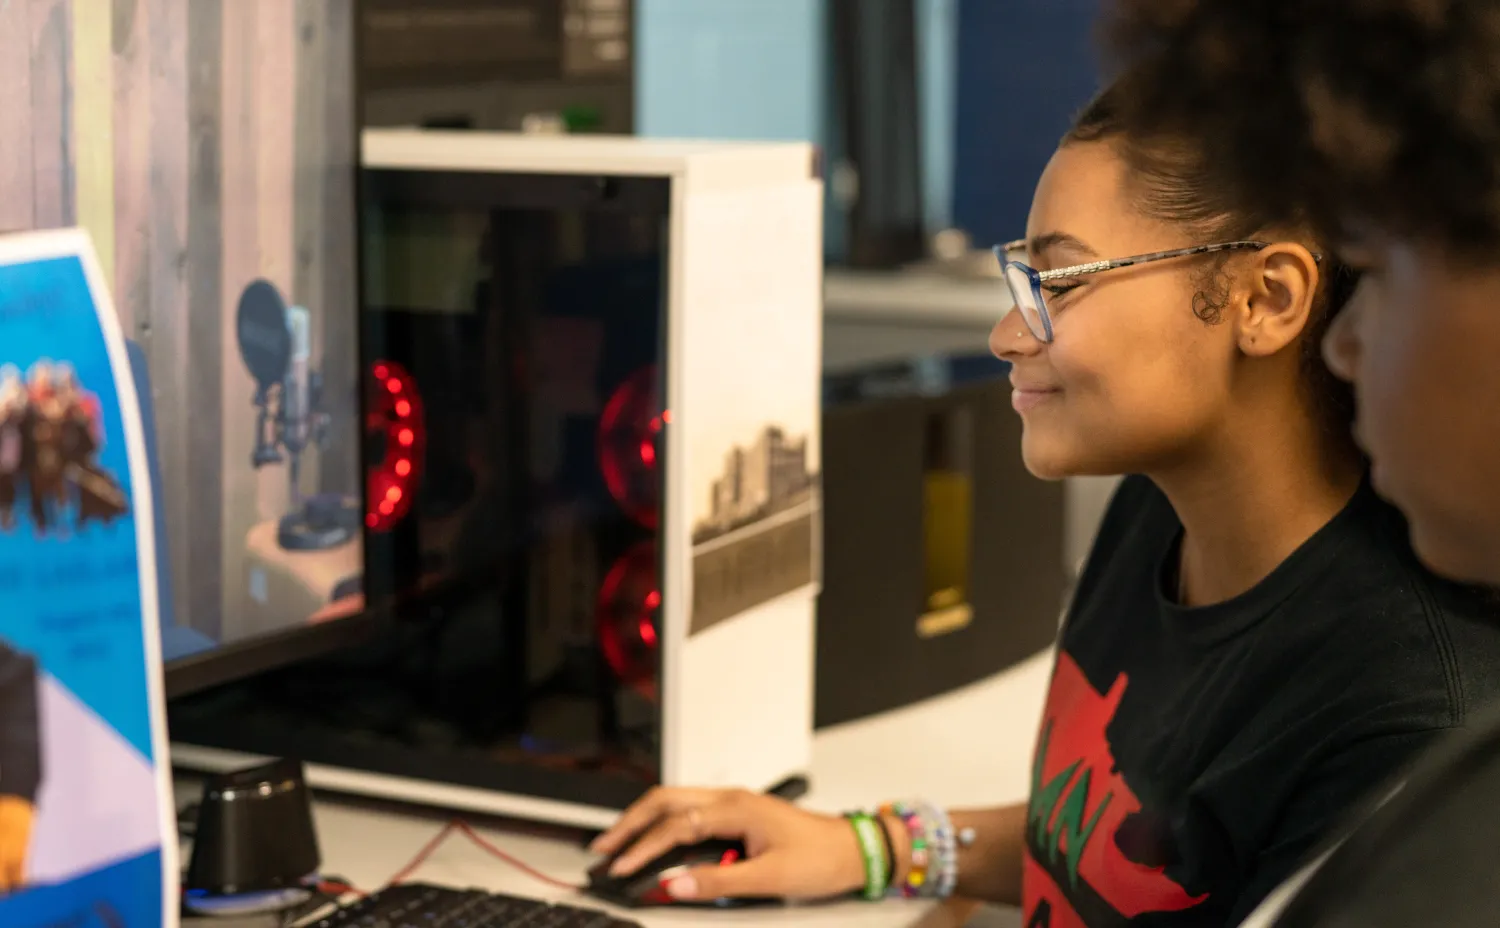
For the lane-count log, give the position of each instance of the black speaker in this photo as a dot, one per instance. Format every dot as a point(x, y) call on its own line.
point(255, 832)
point(943, 556)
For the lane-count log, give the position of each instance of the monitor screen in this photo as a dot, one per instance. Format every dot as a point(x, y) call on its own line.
point(220, 197)
point(234, 264)
point(513, 329)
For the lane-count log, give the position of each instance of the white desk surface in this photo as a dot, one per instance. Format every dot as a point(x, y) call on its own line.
point(971, 747)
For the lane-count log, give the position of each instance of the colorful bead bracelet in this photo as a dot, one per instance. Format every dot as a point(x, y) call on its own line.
point(933, 872)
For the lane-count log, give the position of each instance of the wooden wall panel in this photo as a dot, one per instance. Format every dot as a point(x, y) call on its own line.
point(51, 113)
point(204, 486)
point(276, 151)
point(238, 194)
point(325, 280)
point(132, 168)
point(93, 126)
point(150, 171)
point(16, 156)
point(308, 281)
point(169, 308)
point(340, 259)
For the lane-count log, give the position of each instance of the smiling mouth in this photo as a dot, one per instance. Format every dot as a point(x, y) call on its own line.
point(1027, 399)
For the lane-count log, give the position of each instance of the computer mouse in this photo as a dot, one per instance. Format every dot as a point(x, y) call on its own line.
point(647, 886)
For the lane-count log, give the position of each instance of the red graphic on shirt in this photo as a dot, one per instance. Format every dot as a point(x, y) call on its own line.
point(1079, 801)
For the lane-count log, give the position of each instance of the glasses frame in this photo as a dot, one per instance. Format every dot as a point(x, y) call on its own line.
point(1038, 278)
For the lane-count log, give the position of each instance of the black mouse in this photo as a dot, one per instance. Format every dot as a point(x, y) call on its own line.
point(646, 887)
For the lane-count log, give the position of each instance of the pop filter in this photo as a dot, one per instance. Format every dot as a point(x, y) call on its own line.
point(264, 336)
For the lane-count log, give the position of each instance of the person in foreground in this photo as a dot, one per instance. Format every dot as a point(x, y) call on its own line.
point(1252, 645)
point(1386, 121)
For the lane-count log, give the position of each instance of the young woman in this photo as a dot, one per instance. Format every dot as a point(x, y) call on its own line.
point(1252, 645)
point(1387, 132)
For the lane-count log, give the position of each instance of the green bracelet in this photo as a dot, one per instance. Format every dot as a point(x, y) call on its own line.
point(872, 849)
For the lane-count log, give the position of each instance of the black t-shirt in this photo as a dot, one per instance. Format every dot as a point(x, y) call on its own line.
point(1189, 759)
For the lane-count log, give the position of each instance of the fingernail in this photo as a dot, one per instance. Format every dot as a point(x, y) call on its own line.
point(683, 887)
point(618, 867)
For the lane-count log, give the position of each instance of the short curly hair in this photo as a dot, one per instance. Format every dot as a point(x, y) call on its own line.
point(1384, 112)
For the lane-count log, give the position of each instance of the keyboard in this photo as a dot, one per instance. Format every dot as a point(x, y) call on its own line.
point(414, 905)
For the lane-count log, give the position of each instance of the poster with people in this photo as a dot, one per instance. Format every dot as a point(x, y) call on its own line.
point(87, 826)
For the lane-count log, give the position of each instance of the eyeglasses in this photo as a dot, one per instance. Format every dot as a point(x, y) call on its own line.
point(1027, 285)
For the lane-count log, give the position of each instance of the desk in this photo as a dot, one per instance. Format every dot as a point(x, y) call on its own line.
point(971, 747)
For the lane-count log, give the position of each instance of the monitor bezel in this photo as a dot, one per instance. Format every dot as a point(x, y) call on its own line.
point(227, 663)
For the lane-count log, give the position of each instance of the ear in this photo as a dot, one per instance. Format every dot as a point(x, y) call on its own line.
point(1283, 284)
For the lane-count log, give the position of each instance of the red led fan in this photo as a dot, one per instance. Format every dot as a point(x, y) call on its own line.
point(629, 446)
point(629, 603)
point(394, 427)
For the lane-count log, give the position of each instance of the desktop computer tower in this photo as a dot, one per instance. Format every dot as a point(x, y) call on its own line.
point(593, 505)
point(944, 557)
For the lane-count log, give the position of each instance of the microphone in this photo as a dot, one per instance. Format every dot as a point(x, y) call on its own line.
point(297, 386)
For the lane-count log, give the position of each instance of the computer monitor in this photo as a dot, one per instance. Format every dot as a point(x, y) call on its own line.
point(232, 254)
point(575, 565)
point(515, 325)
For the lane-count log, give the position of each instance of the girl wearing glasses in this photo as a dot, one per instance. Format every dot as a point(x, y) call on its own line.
point(1252, 645)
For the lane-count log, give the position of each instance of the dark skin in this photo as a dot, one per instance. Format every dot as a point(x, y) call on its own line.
point(1218, 414)
point(1420, 342)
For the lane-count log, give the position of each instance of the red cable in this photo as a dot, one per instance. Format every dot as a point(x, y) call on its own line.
point(422, 855)
point(512, 860)
point(474, 837)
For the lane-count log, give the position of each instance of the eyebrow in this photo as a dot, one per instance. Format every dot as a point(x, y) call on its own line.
point(1049, 240)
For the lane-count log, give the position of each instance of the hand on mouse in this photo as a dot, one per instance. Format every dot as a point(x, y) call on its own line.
point(792, 853)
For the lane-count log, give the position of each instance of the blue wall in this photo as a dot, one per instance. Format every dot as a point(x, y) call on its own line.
point(757, 69)
point(1001, 80)
point(1025, 67)
point(734, 69)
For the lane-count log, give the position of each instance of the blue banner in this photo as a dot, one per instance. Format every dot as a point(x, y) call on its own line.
point(87, 831)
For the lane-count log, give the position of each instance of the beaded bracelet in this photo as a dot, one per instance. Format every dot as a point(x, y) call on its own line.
point(872, 849)
point(916, 832)
point(947, 854)
point(934, 850)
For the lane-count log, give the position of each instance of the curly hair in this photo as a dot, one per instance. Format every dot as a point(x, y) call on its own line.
point(1173, 179)
point(1384, 112)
